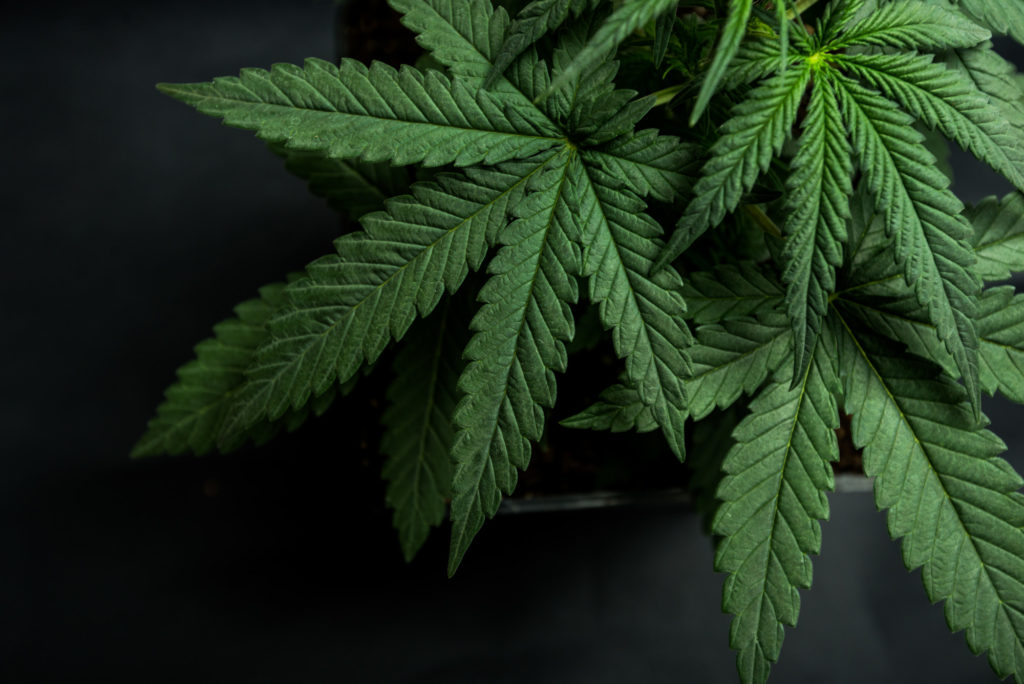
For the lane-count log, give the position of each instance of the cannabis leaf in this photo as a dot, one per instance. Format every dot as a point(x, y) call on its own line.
point(729, 291)
point(663, 28)
point(757, 130)
point(922, 216)
point(371, 113)
point(352, 303)
point(194, 408)
point(418, 431)
point(729, 359)
point(732, 35)
point(819, 196)
point(929, 233)
point(1000, 325)
point(911, 25)
point(1005, 16)
point(351, 187)
point(627, 17)
point(519, 341)
point(940, 98)
point(643, 312)
point(998, 236)
point(618, 409)
point(772, 499)
point(951, 499)
point(733, 358)
point(531, 24)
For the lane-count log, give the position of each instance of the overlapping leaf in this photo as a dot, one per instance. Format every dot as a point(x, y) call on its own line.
point(734, 358)
point(728, 44)
point(998, 236)
point(950, 497)
point(353, 303)
point(465, 36)
point(644, 311)
point(913, 25)
point(1002, 16)
point(418, 430)
point(819, 188)
point(729, 360)
point(922, 216)
point(519, 341)
point(772, 499)
point(759, 127)
point(351, 187)
point(531, 24)
point(194, 408)
point(627, 17)
point(618, 409)
point(1000, 326)
point(942, 99)
point(729, 291)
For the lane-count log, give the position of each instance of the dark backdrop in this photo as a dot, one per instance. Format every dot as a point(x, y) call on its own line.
point(131, 225)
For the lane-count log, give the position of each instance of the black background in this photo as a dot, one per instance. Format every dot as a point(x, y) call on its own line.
point(132, 224)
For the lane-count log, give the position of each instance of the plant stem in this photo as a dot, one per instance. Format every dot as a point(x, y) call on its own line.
point(762, 220)
point(800, 6)
point(665, 95)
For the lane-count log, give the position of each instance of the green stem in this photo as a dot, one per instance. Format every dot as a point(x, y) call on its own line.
point(665, 95)
point(800, 6)
point(762, 220)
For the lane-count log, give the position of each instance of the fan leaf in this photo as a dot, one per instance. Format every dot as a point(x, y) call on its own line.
point(354, 302)
point(922, 216)
point(772, 499)
point(374, 114)
point(950, 498)
point(418, 431)
point(519, 341)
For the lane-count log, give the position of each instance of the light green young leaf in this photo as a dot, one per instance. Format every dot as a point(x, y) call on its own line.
point(729, 291)
point(998, 236)
point(354, 302)
point(519, 341)
point(418, 430)
point(733, 30)
point(912, 25)
point(922, 216)
point(757, 130)
point(819, 190)
point(374, 114)
point(950, 498)
point(772, 499)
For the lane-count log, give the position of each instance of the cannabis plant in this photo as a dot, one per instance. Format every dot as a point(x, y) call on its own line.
point(761, 210)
